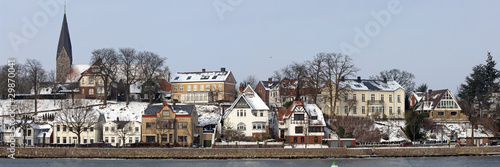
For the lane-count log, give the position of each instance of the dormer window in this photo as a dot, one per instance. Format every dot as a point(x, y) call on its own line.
point(189, 77)
point(214, 77)
point(314, 117)
point(176, 78)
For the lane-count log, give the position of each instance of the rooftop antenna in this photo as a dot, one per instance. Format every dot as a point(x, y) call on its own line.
point(64, 7)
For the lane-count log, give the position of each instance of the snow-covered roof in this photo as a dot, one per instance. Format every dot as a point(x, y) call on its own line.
point(208, 115)
point(270, 85)
point(418, 95)
point(431, 101)
point(208, 76)
point(314, 110)
point(182, 109)
point(373, 85)
point(76, 72)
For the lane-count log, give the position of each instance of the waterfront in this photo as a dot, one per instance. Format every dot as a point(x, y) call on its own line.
point(401, 161)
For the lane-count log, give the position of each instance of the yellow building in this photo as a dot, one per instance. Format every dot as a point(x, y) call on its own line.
point(169, 124)
point(204, 86)
point(366, 98)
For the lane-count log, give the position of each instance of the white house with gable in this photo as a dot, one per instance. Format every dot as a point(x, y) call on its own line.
point(248, 114)
point(121, 132)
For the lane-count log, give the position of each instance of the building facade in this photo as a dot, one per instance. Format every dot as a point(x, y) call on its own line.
point(248, 115)
point(63, 134)
point(440, 104)
point(118, 133)
point(169, 124)
point(204, 86)
point(92, 84)
point(64, 57)
point(366, 98)
point(269, 92)
point(301, 124)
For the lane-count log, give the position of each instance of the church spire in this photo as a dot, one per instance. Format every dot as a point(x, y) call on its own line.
point(64, 57)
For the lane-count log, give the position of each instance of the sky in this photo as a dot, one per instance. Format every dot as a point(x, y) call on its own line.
point(438, 41)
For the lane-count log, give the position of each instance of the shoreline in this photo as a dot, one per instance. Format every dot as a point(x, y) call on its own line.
point(235, 153)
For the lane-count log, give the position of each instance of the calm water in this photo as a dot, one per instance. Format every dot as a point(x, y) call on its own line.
point(413, 161)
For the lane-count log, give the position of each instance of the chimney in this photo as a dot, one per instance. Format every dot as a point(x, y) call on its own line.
point(359, 79)
point(223, 69)
point(385, 80)
point(430, 91)
point(117, 119)
point(203, 70)
point(269, 79)
point(241, 88)
point(342, 78)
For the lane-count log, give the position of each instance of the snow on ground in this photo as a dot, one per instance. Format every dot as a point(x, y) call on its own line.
point(452, 130)
point(208, 114)
point(393, 128)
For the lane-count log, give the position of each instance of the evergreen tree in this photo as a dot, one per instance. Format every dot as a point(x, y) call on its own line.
point(413, 125)
point(480, 85)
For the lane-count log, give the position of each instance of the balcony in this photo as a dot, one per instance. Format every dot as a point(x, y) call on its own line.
point(375, 102)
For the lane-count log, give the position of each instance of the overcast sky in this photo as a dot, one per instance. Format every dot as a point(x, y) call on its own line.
point(438, 41)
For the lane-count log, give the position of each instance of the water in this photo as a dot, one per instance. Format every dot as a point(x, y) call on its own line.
point(409, 161)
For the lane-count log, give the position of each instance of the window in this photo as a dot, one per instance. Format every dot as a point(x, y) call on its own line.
point(382, 97)
point(182, 125)
point(91, 80)
point(390, 110)
point(91, 129)
point(136, 139)
point(64, 139)
point(85, 129)
point(64, 128)
point(112, 139)
point(315, 129)
point(295, 139)
point(106, 139)
point(182, 138)
point(390, 98)
point(106, 129)
point(298, 117)
point(195, 88)
point(453, 113)
point(112, 129)
point(354, 97)
point(130, 140)
point(315, 139)
point(83, 91)
point(346, 110)
point(175, 88)
point(399, 110)
point(165, 113)
point(207, 87)
point(83, 80)
point(345, 97)
point(258, 125)
point(314, 117)
point(91, 140)
point(372, 98)
point(213, 87)
point(262, 113)
point(220, 87)
point(302, 139)
point(363, 110)
point(363, 97)
point(84, 140)
point(202, 87)
point(189, 88)
point(91, 91)
point(188, 78)
point(176, 78)
point(150, 125)
point(399, 98)
point(182, 88)
point(58, 129)
point(299, 129)
point(58, 140)
point(214, 77)
point(441, 113)
point(241, 126)
point(354, 110)
point(137, 129)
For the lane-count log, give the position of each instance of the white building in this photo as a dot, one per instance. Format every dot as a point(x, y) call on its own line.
point(248, 114)
point(114, 132)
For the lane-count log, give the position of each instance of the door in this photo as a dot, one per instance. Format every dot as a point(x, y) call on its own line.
point(207, 143)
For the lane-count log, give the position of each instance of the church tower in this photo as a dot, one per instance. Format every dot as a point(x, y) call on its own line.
point(64, 57)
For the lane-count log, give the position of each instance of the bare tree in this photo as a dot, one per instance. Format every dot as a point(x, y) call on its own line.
point(337, 67)
point(250, 80)
point(108, 67)
point(314, 69)
point(53, 83)
point(125, 131)
point(36, 75)
point(232, 133)
point(78, 116)
point(128, 61)
point(152, 69)
point(404, 78)
point(295, 76)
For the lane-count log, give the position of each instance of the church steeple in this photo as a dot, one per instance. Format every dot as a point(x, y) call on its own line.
point(64, 55)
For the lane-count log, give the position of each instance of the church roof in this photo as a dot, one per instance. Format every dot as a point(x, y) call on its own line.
point(64, 41)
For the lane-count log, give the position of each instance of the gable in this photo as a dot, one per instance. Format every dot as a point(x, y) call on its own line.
point(447, 102)
point(242, 103)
